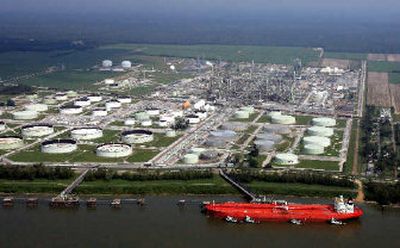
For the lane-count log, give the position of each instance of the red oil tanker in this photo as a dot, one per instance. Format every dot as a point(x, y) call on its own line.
point(281, 211)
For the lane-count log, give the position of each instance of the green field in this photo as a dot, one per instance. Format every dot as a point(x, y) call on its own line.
point(394, 78)
point(298, 189)
point(260, 54)
point(384, 66)
point(303, 119)
point(348, 56)
point(215, 185)
point(160, 140)
point(33, 186)
point(264, 119)
point(314, 164)
point(77, 80)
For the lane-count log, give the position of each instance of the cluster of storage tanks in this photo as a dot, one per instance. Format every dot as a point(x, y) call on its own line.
point(318, 136)
point(196, 154)
point(126, 64)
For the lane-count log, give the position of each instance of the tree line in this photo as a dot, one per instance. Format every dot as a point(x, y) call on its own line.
point(147, 175)
point(35, 172)
point(290, 177)
point(382, 193)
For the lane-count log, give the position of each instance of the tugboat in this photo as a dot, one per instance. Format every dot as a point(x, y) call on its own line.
point(250, 220)
point(231, 219)
point(334, 221)
point(282, 211)
point(296, 222)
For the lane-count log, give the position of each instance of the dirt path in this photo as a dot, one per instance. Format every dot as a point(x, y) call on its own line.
point(354, 170)
point(360, 191)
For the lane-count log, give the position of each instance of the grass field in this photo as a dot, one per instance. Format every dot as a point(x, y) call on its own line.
point(383, 66)
point(264, 119)
point(315, 164)
point(348, 166)
point(348, 56)
point(303, 119)
point(298, 189)
point(160, 140)
point(77, 80)
point(260, 54)
point(34, 186)
point(215, 185)
point(394, 78)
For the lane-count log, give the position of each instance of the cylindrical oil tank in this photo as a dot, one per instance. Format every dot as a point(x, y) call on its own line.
point(317, 140)
point(283, 119)
point(313, 149)
point(324, 122)
point(286, 159)
point(320, 131)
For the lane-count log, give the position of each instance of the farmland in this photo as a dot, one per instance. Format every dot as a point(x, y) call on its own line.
point(260, 54)
point(378, 89)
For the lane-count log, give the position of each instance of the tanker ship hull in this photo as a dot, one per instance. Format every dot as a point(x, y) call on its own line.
point(262, 212)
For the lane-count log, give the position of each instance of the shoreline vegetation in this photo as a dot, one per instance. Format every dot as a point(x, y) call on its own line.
point(16, 180)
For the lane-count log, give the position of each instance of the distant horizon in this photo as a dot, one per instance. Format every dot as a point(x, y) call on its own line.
point(352, 25)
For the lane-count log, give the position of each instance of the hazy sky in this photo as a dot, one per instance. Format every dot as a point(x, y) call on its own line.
point(79, 6)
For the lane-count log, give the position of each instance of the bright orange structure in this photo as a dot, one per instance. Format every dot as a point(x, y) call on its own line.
point(186, 105)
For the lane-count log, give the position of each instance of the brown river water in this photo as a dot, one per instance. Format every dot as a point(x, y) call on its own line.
point(161, 223)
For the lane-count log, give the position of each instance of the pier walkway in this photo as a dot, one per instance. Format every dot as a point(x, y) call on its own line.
point(245, 191)
point(74, 184)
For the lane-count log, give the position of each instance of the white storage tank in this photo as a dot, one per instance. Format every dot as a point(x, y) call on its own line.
point(2, 126)
point(126, 64)
point(170, 133)
point(99, 112)
point(60, 96)
point(312, 149)
point(109, 81)
point(25, 115)
point(146, 123)
point(124, 99)
point(274, 113)
point(130, 122)
point(86, 133)
point(11, 142)
point(193, 119)
point(286, 159)
point(197, 150)
point(249, 109)
point(320, 131)
point(142, 116)
point(83, 102)
point(113, 104)
point(72, 93)
point(242, 114)
point(38, 107)
point(114, 150)
point(50, 100)
point(138, 136)
point(37, 130)
point(190, 159)
point(95, 98)
point(324, 122)
point(317, 140)
point(283, 119)
point(71, 110)
point(153, 112)
point(107, 63)
point(59, 146)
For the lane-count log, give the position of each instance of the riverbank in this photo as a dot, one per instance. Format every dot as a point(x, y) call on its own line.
point(208, 186)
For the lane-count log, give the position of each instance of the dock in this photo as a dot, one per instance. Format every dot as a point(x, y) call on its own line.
point(74, 184)
point(238, 186)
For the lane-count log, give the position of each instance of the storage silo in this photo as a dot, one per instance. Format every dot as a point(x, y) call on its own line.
point(242, 114)
point(324, 122)
point(286, 159)
point(283, 119)
point(317, 140)
point(320, 131)
point(312, 149)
